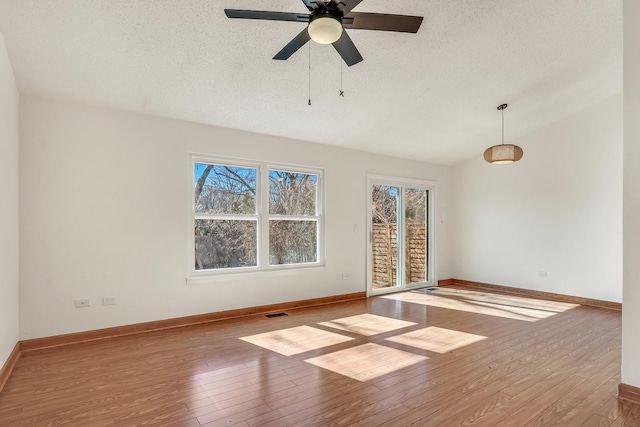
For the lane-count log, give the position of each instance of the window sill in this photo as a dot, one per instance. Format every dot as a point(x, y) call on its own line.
point(204, 278)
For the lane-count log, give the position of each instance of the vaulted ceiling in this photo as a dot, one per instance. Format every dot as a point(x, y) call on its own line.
point(429, 96)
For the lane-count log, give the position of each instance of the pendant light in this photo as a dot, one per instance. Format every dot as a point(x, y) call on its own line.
point(503, 153)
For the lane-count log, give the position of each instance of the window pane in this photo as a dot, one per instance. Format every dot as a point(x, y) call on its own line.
point(415, 234)
point(415, 205)
point(384, 203)
point(292, 193)
point(384, 240)
point(225, 244)
point(293, 242)
point(224, 189)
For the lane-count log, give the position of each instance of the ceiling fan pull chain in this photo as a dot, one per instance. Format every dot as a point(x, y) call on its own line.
point(341, 93)
point(309, 74)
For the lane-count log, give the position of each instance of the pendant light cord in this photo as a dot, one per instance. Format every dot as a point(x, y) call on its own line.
point(502, 111)
point(501, 108)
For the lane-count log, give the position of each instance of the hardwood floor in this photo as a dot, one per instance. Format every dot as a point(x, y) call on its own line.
point(443, 358)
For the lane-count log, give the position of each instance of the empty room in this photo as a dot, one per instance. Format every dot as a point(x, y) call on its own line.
point(319, 212)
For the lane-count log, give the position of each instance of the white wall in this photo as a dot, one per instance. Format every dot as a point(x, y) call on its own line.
point(104, 204)
point(631, 294)
point(9, 219)
point(558, 210)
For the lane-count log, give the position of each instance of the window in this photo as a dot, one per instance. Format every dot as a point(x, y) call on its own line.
point(255, 216)
point(226, 220)
point(293, 219)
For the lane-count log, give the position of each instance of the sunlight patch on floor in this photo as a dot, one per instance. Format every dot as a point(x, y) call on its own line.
point(300, 339)
point(366, 361)
point(509, 307)
point(438, 340)
point(540, 304)
point(367, 324)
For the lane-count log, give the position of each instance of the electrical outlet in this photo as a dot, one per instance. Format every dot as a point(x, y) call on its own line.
point(542, 274)
point(109, 301)
point(82, 302)
point(345, 276)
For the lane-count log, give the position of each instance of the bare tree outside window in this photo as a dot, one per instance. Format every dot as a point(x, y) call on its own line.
point(225, 237)
point(225, 244)
point(292, 224)
point(384, 204)
point(228, 222)
point(225, 189)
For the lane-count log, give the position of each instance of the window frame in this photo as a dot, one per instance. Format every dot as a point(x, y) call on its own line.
point(262, 216)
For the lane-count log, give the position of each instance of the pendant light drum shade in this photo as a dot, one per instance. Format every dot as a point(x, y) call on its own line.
point(503, 153)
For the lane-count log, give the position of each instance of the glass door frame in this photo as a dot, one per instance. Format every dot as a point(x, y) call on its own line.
point(431, 277)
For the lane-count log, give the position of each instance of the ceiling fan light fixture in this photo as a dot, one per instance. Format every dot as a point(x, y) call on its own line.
point(325, 29)
point(503, 153)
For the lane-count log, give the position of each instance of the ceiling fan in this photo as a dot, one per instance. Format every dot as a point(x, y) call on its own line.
point(327, 20)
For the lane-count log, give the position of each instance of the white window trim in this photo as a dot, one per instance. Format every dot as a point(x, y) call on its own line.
point(262, 217)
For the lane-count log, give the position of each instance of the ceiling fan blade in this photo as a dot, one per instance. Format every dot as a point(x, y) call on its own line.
point(267, 15)
point(347, 50)
point(311, 5)
point(336, 4)
point(349, 5)
point(293, 46)
point(320, 4)
point(382, 22)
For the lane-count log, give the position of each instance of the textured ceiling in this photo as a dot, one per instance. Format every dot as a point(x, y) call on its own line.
point(430, 96)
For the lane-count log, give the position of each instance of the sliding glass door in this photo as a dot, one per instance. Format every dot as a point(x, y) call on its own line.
point(385, 208)
point(416, 238)
point(400, 227)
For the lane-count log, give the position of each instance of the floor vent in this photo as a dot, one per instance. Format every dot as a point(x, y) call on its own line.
point(275, 315)
point(432, 289)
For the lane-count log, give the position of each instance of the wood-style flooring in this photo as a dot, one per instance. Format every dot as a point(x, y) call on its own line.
point(425, 358)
